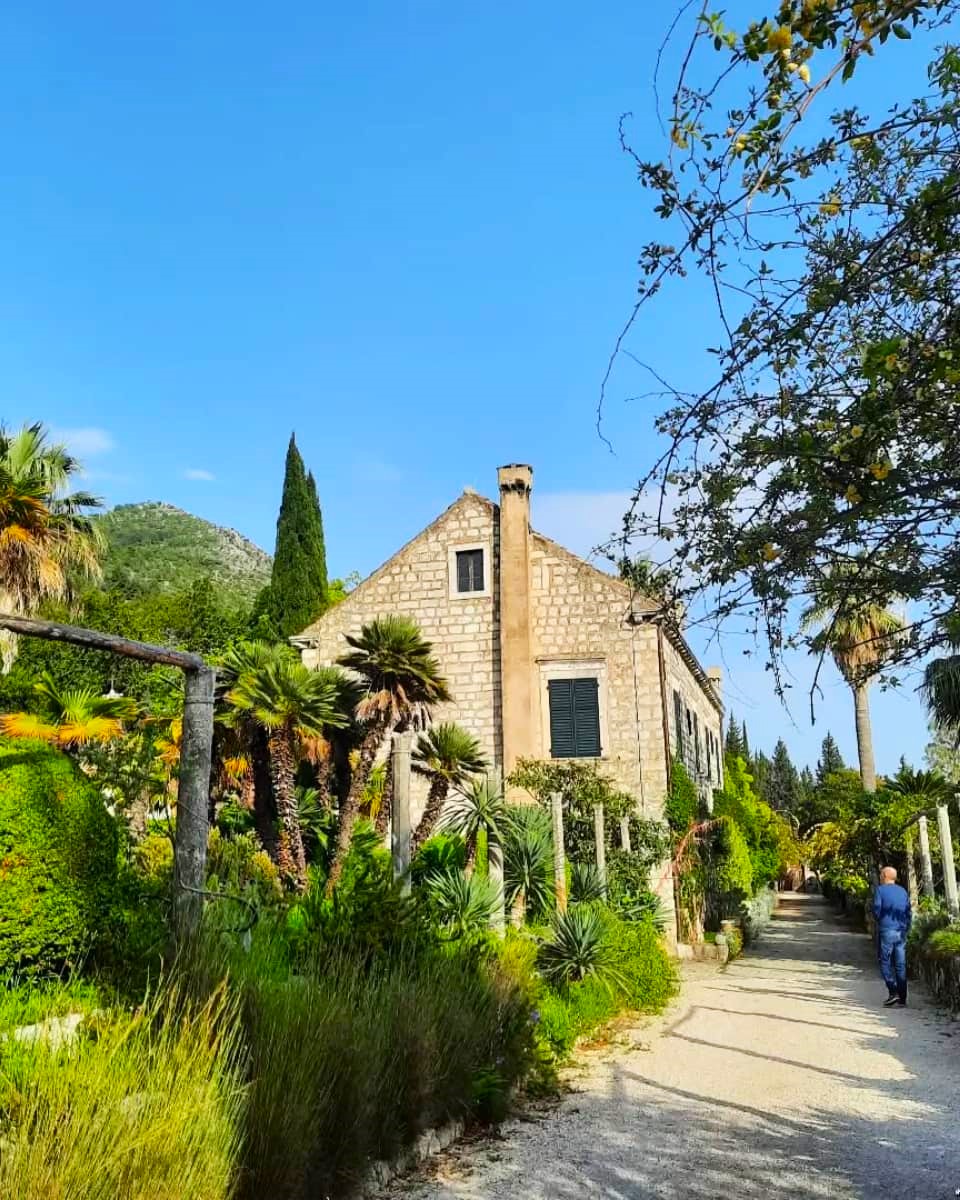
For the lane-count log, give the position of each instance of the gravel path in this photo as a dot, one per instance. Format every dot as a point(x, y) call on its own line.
point(779, 1077)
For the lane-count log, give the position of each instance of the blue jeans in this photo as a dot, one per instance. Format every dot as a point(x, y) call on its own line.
point(893, 961)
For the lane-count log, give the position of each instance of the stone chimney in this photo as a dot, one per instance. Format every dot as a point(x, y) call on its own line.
point(715, 675)
point(516, 659)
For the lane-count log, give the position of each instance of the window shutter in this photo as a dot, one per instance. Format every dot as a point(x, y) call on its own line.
point(678, 722)
point(696, 741)
point(562, 735)
point(586, 717)
point(463, 572)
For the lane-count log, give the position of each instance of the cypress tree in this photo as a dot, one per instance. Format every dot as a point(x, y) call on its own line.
point(744, 743)
point(298, 584)
point(831, 760)
point(733, 743)
point(782, 781)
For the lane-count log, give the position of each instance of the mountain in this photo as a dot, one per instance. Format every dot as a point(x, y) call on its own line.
point(157, 547)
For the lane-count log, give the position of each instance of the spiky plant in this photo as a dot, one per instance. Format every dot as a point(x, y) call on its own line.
point(586, 884)
point(290, 703)
point(446, 755)
point(528, 860)
point(861, 636)
point(461, 904)
point(71, 718)
point(401, 683)
point(46, 534)
point(578, 947)
point(477, 808)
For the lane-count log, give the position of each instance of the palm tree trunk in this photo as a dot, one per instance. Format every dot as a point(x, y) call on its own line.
point(264, 804)
point(861, 704)
point(436, 799)
point(350, 809)
point(291, 857)
point(385, 811)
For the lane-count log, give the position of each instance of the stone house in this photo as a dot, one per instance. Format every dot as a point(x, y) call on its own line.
point(545, 655)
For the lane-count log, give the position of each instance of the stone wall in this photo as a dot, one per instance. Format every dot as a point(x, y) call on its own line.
point(681, 679)
point(416, 582)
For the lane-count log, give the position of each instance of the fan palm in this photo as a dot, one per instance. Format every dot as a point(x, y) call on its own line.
point(289, 703)
point(45, 532)
point(401, 683)
point(861, 636)
point(528, 860)
point(477, 809)
point(71, 718)
point(447, 755)
point(941, 683)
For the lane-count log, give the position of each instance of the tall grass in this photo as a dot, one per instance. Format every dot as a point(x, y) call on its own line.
point(148, 1108)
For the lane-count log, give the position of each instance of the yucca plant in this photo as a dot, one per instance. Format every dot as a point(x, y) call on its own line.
point(462, 904)
point(578, 948)
point(477, 809)
point(586, 883)
point(446, 755)
point(528, 860)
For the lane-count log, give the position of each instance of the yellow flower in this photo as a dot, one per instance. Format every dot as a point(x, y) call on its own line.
point(856, 431)
point(779, 39)
point(804, 73)
point(770, 552)
point(880, 470)
point(831, 206)
point(852, 495)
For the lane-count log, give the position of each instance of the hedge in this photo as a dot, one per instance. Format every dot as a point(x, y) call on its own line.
point(58, 860)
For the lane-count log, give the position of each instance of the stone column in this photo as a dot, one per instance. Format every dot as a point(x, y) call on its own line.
point(559, 855)
point(946, 857)
point(495, 869)
point(516, 658)
point(600, 838)
point(926, 862)
point(401, 832)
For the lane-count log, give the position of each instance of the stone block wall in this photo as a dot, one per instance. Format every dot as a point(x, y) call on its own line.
point(681, 679)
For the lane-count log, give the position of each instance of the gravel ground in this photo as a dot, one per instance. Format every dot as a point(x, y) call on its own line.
point(780, 1076)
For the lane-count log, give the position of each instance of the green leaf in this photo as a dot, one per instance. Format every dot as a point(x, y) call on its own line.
point(902, 32)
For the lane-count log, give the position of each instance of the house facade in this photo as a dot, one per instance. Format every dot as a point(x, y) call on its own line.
point(545, 655)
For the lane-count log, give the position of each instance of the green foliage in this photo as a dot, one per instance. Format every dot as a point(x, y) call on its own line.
point(943, 942)
point(768, 835)
point(730, 871)
point(462, 906)
point(297, 593)
point(734, 943)
point(58, 860)
point(830, 761)
point(439, 855)
point(781, 784)
point(628, 888)
point(528, 858)
point(682, 806)
point(586, 884)
point(158, 549)
point(583, 786)
point(479, 809)
point(149, 1106)
point(240, 866)
point(578, 946)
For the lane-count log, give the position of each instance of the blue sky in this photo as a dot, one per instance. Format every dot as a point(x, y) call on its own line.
point(404, 230)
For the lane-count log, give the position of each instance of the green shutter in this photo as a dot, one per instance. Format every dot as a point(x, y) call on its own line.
point(678, 722)
point(562, 739)
point(574, 718)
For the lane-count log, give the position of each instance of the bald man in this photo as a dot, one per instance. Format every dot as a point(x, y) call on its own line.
point(891, 907)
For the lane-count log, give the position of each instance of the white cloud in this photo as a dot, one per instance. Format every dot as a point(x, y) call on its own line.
point(84, 442)
point(198, 474)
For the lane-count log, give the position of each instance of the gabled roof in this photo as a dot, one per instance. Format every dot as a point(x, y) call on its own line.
point(638, 608)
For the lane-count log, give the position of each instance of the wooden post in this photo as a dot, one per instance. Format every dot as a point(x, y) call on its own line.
point(193, 799)
point(190, 847)
point(946, 857)
point(599, 837)
point(401, 835)
point(495, 868)
point(926, 862)
point(625, 834)
point(559, 858)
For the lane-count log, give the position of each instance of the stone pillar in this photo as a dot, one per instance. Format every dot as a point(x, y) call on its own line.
point(926, 862)
point(559, 855)
point(946, 857)
point(600, 838)
point(495, 868)
point(516, 658)
point(401, 832)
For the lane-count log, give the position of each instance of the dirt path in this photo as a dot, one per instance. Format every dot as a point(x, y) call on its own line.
point(779, 1077)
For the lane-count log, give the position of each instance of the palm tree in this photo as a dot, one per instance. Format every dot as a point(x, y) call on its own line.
point(477, 809)
point(925, 791)
point(71, 718)
point(45, 532)
point(941, 685)
point(447, 755)
point(860, 636)
point(402, 683)
point(289, 703)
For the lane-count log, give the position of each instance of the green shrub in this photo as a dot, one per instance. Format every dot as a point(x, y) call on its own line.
point(150, 1107)
point(730, 873)
point(441, 854)
point(682, 806)
point(578, 947)
point(943, 942)
point(240, 866)
point(58, 860)
point(586, 883)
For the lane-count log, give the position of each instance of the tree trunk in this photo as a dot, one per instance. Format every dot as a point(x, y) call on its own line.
point(868, 770)
point(350, 809)
point(436, 799)
point(291, 857)
point(264, 804)
point(385, 811)
point(911, 870)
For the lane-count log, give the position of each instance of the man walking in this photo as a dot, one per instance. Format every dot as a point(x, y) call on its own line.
point(891, 907)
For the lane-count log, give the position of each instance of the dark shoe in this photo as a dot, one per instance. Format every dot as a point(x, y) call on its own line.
point(892, 1000)
point(898, 1003)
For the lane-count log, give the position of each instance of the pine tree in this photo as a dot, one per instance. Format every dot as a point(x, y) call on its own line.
point(297, 593)
point(760, 769)
point(782, 783)
point(831, 760)
point(744, 743)
point(733, 743)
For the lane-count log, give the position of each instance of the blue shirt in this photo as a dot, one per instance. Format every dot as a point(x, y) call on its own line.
point(891, 907)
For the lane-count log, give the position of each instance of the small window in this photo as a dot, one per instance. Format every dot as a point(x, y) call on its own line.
point(469, 570)
point(696, 741)
point(678, 722)
point(574, 718)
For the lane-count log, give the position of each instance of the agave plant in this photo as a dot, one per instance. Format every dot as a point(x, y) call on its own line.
point(462, 904)
point(578, 948)
point(586, 884)
point(528, 860)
